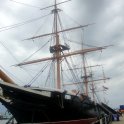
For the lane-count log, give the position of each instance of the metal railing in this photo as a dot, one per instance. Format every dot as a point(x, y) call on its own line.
point(104, 120)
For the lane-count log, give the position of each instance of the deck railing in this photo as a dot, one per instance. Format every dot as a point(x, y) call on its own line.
point(104, 120)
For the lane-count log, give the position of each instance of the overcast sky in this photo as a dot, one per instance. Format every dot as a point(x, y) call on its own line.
point(108, 16)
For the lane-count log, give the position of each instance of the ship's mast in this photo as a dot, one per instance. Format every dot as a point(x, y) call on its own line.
point(85, 76)
point(57, 51)
point(57, 48)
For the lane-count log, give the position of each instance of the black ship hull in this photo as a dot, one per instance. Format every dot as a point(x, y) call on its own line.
point(28, 106)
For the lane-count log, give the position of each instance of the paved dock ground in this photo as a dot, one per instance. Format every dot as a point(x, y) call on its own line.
point(119, 122)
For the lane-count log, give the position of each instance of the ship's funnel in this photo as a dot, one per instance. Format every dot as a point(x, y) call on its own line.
point(5, 77)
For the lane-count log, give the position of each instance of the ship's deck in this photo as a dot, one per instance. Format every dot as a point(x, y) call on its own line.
point(119, 122)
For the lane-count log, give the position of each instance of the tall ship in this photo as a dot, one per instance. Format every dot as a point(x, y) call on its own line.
point(65, 96)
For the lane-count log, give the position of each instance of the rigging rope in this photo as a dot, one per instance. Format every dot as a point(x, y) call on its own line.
point(36, 51)
point(13, 57)
point(43, 24)
point(52, 36)
point(62, 76)
point(64, 34)
point(72, 19)
point(49, 73)
point(81, 43)
point(20, 81)
point(65, 37)
point(21, 24)
point(9, 51)
point(37, 75)
point(26, 4)
point(75, 20)
point(72, 72)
